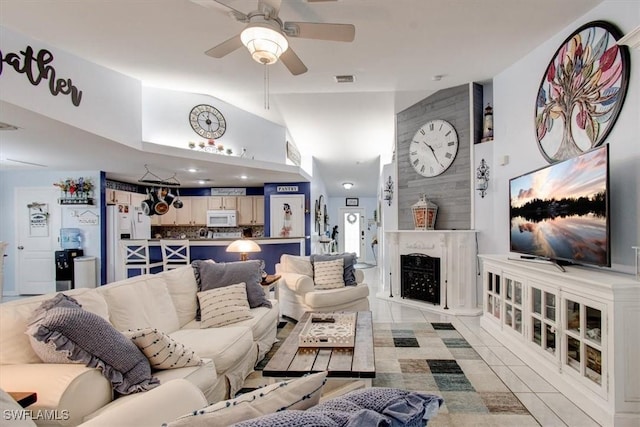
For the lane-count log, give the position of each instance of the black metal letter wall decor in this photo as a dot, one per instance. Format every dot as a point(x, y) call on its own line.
point(36, 68)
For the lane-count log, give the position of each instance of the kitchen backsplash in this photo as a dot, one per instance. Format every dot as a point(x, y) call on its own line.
point(193, 232)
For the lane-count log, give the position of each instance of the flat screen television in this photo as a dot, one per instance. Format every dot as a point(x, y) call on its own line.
point(561, 212)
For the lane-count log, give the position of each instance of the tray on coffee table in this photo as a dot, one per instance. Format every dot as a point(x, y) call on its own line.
point(329, 330)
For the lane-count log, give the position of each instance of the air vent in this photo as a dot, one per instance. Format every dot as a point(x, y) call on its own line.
point(345, 79)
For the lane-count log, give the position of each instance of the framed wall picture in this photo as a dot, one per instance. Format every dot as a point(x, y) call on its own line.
point(352, 201)
point(581, 92)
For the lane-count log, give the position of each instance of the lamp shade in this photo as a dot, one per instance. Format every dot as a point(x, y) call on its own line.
point(264, 43)
point(244, 247)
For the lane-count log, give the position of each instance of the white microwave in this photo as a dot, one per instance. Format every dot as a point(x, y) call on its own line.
point(222, 218)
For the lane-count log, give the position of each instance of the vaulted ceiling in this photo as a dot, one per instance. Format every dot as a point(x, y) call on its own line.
point(347, 127)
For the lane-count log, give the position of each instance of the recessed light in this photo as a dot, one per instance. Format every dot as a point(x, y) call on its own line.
point(243, 177)
point(192, 170)
point(202, 181)
point(347, 185)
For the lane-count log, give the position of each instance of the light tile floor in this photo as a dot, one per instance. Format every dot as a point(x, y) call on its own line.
point(548, 406)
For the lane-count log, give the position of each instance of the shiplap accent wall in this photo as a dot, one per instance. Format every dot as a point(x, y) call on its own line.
point(451, 191)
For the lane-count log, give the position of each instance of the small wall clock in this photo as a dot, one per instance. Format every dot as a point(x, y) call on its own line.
point(581, 92)
point(433, 148)
point(207, 121)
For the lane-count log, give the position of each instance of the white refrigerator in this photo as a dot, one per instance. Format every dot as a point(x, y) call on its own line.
point(123, 222)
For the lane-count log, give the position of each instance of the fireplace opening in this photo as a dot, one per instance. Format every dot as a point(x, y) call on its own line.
point(420, 278)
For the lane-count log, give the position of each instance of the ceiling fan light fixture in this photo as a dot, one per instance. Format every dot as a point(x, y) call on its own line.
point(264, 43)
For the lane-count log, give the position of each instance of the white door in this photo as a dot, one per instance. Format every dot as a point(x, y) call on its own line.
point(287, 215)
point(38, 219)
point(352, 235)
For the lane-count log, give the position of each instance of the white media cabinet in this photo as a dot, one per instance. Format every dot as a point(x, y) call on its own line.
point(579, 329)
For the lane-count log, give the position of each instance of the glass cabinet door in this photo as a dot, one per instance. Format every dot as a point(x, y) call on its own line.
point(513, 303)
point(583, 338)
point(493, 294)
point(543, 321)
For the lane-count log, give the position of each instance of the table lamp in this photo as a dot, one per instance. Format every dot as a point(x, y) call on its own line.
point(244, 247)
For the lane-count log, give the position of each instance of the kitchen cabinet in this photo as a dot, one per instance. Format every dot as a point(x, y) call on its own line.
point(136, 199)
point(183, 215)
point(117, 196)
point(222, 203)
point(193, 212)
point(578, 329)
point(250, 210)
point(199, 206)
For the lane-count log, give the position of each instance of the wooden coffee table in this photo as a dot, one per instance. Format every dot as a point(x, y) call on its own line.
point(354, 364)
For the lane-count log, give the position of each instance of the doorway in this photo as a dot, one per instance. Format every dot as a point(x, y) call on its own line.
point(38, 220)
point(352, 236)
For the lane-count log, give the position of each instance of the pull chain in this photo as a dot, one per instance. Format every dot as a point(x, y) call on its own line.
point(266, 86)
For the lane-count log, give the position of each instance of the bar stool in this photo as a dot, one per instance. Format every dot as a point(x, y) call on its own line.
point(175, 253)
point(136, 257)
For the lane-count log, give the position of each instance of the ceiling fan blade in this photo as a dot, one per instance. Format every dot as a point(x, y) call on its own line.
point(292, 62)
point(273, 7)
point(240, 16)
point(226, 47)
point(320, 31)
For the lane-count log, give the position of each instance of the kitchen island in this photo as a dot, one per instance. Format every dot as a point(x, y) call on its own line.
point(215, 249)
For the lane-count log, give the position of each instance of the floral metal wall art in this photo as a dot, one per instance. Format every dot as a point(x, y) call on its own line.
point(582, 92)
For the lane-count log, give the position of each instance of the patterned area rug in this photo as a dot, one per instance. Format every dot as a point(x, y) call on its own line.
point(434, 358)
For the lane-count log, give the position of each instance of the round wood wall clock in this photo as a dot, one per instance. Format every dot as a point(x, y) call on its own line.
point(581, 92)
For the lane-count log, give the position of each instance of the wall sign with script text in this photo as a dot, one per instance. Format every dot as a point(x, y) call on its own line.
point(35, 67)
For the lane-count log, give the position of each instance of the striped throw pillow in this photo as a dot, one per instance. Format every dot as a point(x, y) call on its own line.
point(223, 306)
point(162, 351)
point(328, 274)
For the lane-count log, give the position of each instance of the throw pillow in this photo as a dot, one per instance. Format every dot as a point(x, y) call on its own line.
point(328, 274)
point(162, 351)
point(88, 338)
point(349, 259)
point(47, 351)
point(297, 264)
point(377, 406)
point(211, 275)
point(299, 394)
point(223, 306)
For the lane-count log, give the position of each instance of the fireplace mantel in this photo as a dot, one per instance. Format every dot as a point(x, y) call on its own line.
point(458, 260)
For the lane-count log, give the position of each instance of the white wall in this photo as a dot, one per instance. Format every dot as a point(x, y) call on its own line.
point(110, 103)
point(165, 121)
point(10, 182)
point(318, 188)
point(514, 96)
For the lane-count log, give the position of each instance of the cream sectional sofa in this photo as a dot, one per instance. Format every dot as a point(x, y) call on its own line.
point(166, 301)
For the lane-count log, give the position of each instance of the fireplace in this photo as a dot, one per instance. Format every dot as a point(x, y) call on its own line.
point(420, 277)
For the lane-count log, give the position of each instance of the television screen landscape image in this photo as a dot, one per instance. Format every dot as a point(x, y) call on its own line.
point(560, 212)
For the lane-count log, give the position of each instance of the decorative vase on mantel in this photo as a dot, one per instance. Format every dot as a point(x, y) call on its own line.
point(424, 214)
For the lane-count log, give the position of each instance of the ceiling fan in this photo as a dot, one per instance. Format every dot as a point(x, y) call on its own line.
point(266, 35)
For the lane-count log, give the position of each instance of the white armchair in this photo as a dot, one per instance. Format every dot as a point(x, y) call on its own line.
point(297, 291)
